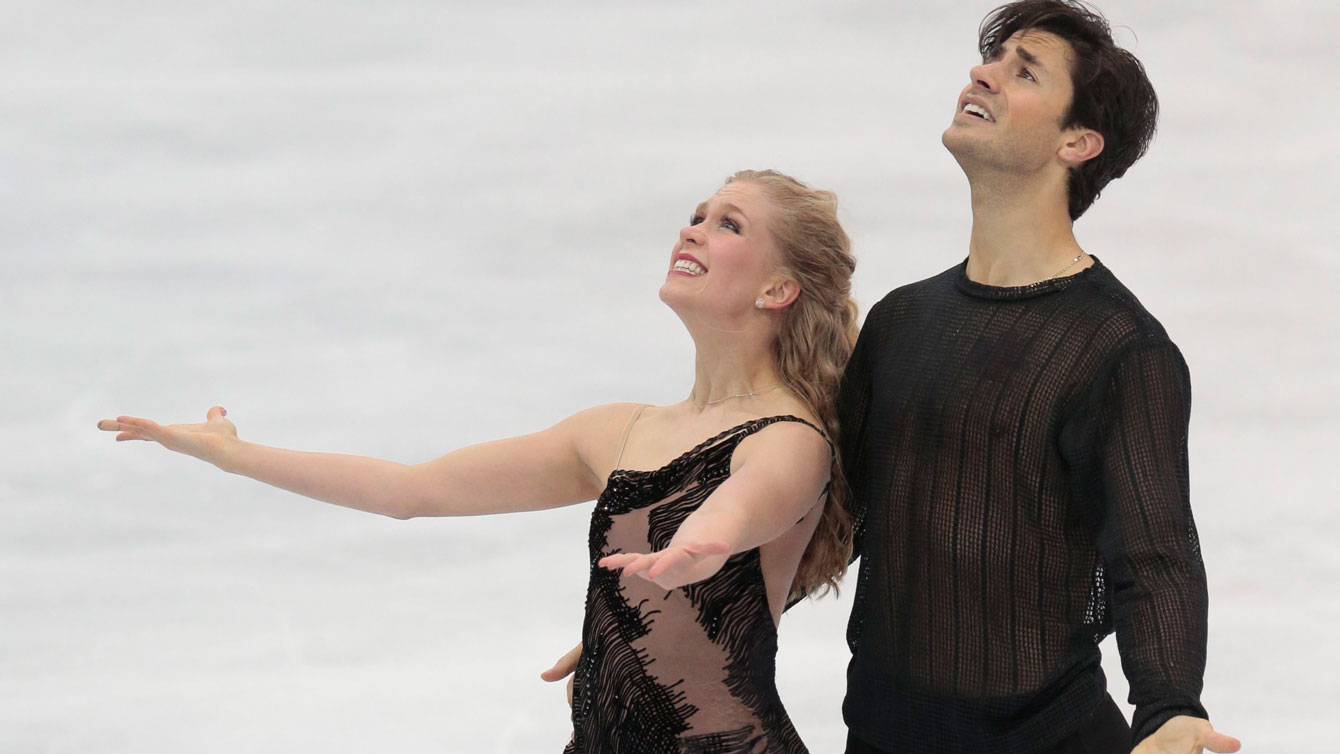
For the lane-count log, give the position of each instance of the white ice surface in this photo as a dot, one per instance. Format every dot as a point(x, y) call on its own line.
point(395, 228)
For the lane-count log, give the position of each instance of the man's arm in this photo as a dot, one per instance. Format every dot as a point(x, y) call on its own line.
point(853, 408)
point(852, 405)
point(1147, 538)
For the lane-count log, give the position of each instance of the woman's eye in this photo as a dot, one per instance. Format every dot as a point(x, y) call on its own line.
point(726, 222)
point(695, 219)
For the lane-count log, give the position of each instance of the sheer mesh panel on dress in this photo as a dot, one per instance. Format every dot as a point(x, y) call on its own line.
point(690, 670)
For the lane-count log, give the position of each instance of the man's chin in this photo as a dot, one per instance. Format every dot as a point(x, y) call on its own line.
point(959, 144)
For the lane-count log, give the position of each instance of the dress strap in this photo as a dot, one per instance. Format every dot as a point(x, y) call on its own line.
point(758, 424)
point(623, 438)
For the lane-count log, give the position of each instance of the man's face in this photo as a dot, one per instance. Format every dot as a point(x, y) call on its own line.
point(1008, 117)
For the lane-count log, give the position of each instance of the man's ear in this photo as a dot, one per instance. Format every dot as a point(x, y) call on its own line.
point(1080, 146)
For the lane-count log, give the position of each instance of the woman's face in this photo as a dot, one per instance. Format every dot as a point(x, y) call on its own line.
point(725, 257)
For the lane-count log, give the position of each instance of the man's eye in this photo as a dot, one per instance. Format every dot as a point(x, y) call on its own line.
point(1027, 74)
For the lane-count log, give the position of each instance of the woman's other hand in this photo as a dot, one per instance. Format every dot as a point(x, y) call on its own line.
point(564, 669)
point(206, 440)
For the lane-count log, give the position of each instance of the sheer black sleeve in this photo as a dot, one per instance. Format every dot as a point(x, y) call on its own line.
point(853, 407)
point(1147, 538)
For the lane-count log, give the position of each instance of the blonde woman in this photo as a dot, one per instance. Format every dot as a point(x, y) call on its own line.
point(710, 513)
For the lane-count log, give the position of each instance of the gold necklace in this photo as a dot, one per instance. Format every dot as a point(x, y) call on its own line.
point(751, 393)
point(1073, 262)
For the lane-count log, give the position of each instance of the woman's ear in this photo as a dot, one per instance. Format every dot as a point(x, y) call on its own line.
point(781, 293)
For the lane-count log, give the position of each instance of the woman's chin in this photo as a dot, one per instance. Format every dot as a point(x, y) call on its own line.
point(680, 299)
point(668, 293)
point(674, 287)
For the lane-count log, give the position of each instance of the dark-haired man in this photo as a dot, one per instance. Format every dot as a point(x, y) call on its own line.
point(1014, 430)
point(1015, 434)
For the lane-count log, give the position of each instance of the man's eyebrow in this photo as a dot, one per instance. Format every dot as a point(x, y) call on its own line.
point(1029, 57)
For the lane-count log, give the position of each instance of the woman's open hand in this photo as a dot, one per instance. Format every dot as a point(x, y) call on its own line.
point(205, 440)
point(674, 566)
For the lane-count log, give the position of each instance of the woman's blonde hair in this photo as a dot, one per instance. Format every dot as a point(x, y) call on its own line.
point(817, 333)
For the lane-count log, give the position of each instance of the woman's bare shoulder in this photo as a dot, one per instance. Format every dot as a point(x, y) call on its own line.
point(605, 418)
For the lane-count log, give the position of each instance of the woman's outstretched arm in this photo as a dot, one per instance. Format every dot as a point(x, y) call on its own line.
point(778, 478)
point(546, 469)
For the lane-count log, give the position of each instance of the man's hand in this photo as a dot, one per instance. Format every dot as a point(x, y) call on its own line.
point(1187, 735)
point(564, 668)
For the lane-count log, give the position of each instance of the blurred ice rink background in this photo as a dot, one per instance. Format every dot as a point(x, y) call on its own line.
point(395, 228)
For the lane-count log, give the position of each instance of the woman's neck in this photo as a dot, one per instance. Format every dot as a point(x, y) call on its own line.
point(726, 369)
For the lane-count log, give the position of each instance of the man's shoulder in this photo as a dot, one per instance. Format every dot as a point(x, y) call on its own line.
point(1122, 316)
point(912, 293)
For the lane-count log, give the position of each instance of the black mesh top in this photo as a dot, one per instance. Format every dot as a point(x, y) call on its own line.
point(689, 670)
point(1018, 463)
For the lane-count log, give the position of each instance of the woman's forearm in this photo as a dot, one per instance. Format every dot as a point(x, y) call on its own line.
point(366, 484)
point(714, 526)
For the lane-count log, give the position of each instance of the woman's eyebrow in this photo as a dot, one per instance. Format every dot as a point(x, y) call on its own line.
point(737, 210)
point(725, 206)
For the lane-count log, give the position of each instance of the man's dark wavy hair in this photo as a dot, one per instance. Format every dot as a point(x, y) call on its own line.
point(1113, 95)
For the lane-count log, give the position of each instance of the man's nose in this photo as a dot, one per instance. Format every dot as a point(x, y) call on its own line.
point(985, 76)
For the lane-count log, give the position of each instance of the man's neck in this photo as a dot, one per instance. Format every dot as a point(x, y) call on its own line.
point(1021, 232)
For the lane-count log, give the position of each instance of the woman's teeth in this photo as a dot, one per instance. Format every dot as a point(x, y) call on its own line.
point(689, 266)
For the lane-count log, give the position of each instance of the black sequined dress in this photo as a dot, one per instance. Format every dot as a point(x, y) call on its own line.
point(691, 669)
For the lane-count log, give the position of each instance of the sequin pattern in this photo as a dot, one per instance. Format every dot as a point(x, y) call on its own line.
point(690, 670)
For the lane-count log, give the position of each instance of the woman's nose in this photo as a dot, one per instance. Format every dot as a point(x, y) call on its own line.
point(691, 234)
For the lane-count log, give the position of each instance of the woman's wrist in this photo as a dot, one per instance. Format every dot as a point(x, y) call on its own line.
point(225, 454)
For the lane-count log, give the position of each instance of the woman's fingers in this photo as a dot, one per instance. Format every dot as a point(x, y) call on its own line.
point(123, 424)
point(565, 665)
point(137, 423)
point(629, 562)
point(133, 428)
point(657, 563)
point(201, 440)
point(127, 430)
point(618, 561)
point(643, 563)
point(670, 559)
point(1219, 742)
